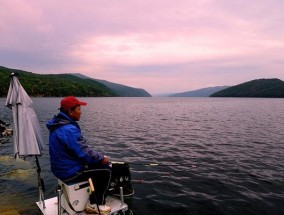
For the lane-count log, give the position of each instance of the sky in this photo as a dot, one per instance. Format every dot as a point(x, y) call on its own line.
point(162, 46)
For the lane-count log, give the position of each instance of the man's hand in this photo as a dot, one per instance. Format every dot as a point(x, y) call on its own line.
point(105, 160)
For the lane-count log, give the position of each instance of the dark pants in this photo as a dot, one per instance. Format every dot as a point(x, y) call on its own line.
point(100, 175)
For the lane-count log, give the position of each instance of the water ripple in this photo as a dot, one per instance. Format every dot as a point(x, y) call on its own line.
point(221, 156)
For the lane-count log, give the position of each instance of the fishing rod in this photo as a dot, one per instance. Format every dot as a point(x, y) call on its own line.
point(141, 181)
point(121, 176)
point(148, 164)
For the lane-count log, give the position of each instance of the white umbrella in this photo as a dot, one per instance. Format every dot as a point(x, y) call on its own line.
point(28, 138)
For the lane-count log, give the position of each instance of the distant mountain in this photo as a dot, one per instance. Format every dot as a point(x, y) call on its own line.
point(119, 89)
point(162, 95)
point(59, 85)
point(204, 92)
point(261, 88)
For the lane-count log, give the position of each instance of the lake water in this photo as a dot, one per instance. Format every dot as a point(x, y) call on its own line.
point(220, 155)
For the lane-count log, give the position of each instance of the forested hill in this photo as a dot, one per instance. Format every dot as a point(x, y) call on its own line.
point(58, 85)
point(119, 89)
point(260, 88)
point(204, 92)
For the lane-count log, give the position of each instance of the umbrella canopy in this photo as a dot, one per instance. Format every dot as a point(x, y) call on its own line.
point(28, 139)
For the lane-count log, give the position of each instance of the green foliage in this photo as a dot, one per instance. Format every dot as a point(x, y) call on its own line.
point(260, 88)
point(119, 89)
point(53, 85)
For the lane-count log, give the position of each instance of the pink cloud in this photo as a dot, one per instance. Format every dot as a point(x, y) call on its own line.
point(146, 43)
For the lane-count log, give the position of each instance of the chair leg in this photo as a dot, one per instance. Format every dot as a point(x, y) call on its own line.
point(59, 192)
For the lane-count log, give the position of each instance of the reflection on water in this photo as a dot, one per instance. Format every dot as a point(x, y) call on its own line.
point(18, 174)
point(235, 144)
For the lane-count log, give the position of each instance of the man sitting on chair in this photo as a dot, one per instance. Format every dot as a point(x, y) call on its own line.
point(72, 160)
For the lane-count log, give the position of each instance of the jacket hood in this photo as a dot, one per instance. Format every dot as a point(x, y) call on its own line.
point(60, 120)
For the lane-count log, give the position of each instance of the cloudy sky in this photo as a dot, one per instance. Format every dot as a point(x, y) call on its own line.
point(162, 46)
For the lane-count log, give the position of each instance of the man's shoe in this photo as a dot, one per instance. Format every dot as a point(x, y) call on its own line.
point(104, 209)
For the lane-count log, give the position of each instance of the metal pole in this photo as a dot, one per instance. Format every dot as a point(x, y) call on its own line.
point(40, 185)
point(59, 200)
point(41, 197)
point(121, 198)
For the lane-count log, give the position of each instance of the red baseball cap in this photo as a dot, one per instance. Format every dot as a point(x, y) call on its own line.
point(70, 102)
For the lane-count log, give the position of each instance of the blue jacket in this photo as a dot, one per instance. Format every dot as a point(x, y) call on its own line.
point(68, 150)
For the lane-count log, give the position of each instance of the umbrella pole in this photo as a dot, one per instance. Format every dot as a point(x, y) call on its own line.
point(40, 183)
